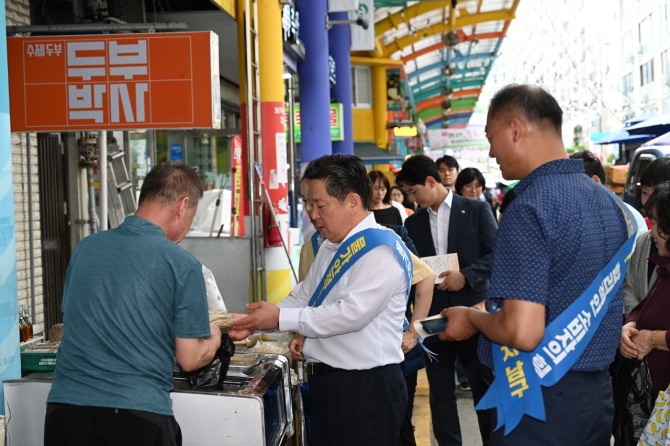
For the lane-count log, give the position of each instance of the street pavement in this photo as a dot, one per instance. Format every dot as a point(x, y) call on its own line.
point(421, 416)
point(466, 414)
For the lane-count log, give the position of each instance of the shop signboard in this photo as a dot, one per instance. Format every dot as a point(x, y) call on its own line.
point(114, 81)
point(462, 138)
point(336, 122)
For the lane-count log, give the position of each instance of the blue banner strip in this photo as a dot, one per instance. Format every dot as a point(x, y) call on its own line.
point(353, 249)
point(517, 389)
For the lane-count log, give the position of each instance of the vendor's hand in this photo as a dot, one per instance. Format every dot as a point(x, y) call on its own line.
point(295, 347)
point(643, 343)
point(409, 341)
point(264, 316)
point(215, 335)
point(627, 347)
point(237, 334)
point(458, 326)
point(453, 281)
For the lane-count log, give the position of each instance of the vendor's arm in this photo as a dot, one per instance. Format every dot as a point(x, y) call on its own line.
point(193, 353)
point(237, 334)
point(519, 324)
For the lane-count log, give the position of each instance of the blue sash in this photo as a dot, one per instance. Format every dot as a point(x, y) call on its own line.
point(353, 249)
point(516, 391)
point(317, 239)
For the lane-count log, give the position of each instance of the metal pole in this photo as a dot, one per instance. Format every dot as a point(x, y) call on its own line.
point(292, 186)
point(31, 239)
point(102, 177)
point(251, 147)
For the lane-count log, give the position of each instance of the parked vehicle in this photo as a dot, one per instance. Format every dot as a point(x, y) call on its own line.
point(643, 156)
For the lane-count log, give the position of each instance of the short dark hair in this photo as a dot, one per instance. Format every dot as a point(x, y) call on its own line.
point(168, 183)
point(510, 195)
point(375, 175)
point(532, 102)
point(449, 160)
point(342, 174)
point(658, 206)
point(657, 172)
point(468, 175)
point(592, 165)
point(416, 169)
point(406, 202)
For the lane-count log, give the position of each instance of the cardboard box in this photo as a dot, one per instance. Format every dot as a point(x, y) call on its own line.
point(616, 174)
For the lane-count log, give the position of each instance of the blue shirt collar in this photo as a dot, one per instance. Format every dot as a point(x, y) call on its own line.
point(561, 166)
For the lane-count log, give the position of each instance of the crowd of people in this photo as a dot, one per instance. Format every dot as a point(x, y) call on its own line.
point(525, 330)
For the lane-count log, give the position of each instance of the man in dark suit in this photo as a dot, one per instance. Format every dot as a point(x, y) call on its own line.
point(450, 223)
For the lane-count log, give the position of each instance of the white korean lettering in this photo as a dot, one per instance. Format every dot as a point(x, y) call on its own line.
point(120, 92)
point(86, 74)
point(541, 366)
point(77, 54)
point(86, 102)
point(555, 351)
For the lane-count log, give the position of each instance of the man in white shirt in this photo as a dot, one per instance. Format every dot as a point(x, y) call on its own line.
point(353, 345)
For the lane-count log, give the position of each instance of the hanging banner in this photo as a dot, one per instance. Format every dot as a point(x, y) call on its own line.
point(236, 213)
point(363, 39)
point(114, 81)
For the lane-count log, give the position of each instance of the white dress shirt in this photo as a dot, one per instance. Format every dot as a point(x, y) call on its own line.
point(359, 324)
point(439, 224)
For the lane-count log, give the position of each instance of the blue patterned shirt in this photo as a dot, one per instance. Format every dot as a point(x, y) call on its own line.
point(555, 237)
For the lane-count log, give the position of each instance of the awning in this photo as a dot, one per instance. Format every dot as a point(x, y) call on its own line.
point(663, 140)
point(623, 137)
point(371, 154)
point(654, 126)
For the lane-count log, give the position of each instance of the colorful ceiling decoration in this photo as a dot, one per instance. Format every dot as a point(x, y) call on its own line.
point(447, 48)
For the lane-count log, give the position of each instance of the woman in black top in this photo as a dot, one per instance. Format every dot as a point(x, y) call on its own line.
point(380, 202)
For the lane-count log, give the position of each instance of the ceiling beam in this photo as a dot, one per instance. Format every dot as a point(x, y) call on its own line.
point(440, 28)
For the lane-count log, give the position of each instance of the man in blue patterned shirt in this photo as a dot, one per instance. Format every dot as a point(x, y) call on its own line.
point(558, 234)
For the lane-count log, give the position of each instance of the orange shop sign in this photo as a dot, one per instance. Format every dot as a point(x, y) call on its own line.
point(114, 81)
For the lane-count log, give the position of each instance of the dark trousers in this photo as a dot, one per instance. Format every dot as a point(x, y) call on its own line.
point(440, 374)
point(69, 425)
point(357, 407)
point(579, 411)
point(407, 429)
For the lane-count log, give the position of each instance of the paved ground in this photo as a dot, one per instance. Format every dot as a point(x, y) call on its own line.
point(466, 414)
point(421, 417)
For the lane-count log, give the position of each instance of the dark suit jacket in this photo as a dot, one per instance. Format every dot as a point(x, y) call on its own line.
point(472, 229)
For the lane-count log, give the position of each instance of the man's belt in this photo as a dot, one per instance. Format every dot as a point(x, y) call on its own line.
point(319, 368)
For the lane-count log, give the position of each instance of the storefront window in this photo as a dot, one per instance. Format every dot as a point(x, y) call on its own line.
point(208, 151)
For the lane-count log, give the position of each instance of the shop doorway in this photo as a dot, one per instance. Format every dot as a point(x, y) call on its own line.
point(54, 229)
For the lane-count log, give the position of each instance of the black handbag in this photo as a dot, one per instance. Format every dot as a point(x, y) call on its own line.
point(633, 399)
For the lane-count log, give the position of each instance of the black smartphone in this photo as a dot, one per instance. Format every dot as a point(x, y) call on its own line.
point(433, 326)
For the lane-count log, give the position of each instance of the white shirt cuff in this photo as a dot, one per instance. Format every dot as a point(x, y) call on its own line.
point(289, 319)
